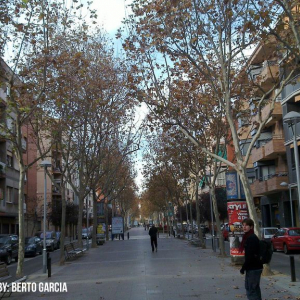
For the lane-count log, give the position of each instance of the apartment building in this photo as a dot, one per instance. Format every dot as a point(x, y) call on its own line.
point(9, 169)
point(291, 103)
point(53, 191)
point(267, 167)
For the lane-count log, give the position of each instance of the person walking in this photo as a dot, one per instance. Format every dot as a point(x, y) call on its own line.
point(252, 265)
point(153, 237)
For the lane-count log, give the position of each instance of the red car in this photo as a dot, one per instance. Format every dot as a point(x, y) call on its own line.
point(286, 239)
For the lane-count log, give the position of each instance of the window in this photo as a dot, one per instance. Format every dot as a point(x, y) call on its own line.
point(293, 157)
point(267, 171)
point(9, 160)
point(9, 194)
point(251, 179)
point(221, 180)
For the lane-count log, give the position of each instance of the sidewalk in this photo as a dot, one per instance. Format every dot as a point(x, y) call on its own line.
point(128, 270)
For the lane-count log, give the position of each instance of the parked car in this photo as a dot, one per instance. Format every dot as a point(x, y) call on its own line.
point(286, 239)
point(9, 248)
point(268, 232)
point(51, 240)
point(33, 246)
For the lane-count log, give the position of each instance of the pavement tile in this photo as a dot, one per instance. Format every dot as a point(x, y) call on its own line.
point(128, 270)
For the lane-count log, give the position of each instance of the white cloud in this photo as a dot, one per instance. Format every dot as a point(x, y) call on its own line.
point(111, 13)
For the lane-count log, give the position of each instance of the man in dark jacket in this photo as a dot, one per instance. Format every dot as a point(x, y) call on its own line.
point(153, 236)
point(252, 265)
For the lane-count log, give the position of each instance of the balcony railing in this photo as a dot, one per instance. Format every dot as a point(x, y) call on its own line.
point(276, 114)
point(269, 184)
point(268, 148)
point(257, 154)
point(274, 147)
point(272, 175)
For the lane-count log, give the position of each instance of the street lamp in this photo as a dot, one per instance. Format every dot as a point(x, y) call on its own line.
point(45, 164)
point(292, 118)
point(291, 201)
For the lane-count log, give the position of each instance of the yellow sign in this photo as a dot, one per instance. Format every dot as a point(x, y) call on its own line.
point(100, 228)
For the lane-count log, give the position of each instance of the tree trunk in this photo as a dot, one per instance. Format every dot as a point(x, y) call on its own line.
point(200, 235)
point(63, 224)
point(216, 213)
point(250, 202)
point(79, 225)
point(181, 221)
point(106, 220)
point(21, 251)
point(95, 220)
point(191, 222)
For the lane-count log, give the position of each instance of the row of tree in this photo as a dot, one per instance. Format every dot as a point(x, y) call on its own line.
point(192, 67)
point(66, 85)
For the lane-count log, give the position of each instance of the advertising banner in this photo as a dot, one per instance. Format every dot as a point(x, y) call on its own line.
point(117, 226)
point(231, 185)
point(101, 229)
point(234, 187)
point(237, 212)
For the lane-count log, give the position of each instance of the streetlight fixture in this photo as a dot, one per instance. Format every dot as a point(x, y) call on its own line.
point(45, 164)
point(292, 118)
point(291, 201)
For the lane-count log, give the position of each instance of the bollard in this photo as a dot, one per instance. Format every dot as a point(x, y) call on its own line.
point(292, 265)
point(49, 264)
point(128, 235)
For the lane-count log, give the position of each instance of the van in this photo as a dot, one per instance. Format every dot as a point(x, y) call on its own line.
point(268, 232)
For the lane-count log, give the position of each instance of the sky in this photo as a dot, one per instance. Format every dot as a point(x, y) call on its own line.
point(111, 13)
point(110, 16)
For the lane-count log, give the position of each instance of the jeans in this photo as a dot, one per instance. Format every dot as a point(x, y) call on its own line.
point(252, 286)
point(153, 243)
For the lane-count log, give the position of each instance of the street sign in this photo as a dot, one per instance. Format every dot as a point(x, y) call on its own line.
point(117, 226)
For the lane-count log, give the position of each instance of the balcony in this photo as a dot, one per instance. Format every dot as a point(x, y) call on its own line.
point(269, 74)
point(258, 154)
point(2, 170)
point(270, 149)
point(291, 89)
point(274, 148)
point(258, 188)
point(275, 116)
point(56, 170)
point(269, 184)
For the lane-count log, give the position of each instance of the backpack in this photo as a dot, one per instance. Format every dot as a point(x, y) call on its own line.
point(265, 251)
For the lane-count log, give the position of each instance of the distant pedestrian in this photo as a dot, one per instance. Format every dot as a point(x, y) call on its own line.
point(252, 264)
point(153, 237)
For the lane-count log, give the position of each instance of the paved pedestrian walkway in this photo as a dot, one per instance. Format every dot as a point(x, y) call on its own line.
point(128, 270)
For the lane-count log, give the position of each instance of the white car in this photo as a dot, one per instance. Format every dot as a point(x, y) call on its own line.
point(268, 232)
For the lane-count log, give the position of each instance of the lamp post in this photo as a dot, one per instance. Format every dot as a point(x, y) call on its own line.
point(45, 164)
point(87, 220)
point(292, 118)
point(291, 201)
